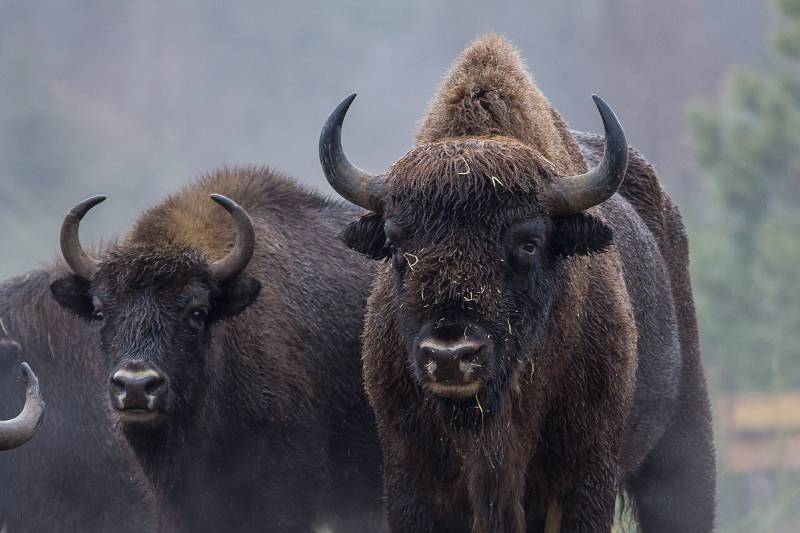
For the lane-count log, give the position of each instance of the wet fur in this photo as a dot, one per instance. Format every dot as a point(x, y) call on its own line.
point(599, 385)
point(268, 427)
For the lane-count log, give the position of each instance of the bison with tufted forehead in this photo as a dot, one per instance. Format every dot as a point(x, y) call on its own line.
point(523, 350)
point(233, 355)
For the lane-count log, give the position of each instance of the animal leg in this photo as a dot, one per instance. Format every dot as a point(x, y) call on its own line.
point(674, 488)
point(589, 507)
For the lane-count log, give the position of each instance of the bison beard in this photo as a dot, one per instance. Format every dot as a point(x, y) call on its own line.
point(576, 312)
point(237, 380)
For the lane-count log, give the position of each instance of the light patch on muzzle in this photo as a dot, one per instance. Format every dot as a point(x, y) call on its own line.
point(138, 389)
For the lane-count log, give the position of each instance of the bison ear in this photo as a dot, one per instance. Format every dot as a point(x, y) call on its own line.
point(580, 234)
point(366, 236)
point(234, 297)
point(72, 293)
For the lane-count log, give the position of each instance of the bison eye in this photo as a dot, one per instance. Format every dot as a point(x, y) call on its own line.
point(198, 315)
point(524, 255)
point(525, 243)
point(97, 312)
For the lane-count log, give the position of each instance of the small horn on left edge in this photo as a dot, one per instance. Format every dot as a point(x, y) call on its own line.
point(352, 183)
point(237, 259)
point(573, 194)
point(19, 430)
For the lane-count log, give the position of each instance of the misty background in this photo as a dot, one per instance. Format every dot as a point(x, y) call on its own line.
point(136, 99)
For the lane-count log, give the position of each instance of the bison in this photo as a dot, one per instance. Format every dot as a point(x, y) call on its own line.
point(530, 345)
point(76, 475)
point(16, 432)
point(233, 355)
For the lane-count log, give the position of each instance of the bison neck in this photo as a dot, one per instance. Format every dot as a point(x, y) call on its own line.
point(494, 458)
point(200, 483)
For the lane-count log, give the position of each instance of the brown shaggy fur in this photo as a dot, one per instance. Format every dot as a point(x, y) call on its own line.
point(489, 92)
point(264, 423)
point(593, 380)
point(190, 219)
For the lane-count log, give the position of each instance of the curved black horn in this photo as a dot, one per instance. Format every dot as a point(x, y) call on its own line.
point(71, 248)
point(242, 252)
point(19, 430)
point(573, 194)
point(352, 183)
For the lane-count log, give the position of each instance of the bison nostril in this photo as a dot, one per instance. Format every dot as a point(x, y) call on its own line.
point(472, 354)
point(154, 386)
point(138, 383)
point(118, 383)
point(459, 360)
point(452, 352)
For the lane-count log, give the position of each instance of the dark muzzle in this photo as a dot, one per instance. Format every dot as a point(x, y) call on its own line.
point(453, 360)
point(138, 388)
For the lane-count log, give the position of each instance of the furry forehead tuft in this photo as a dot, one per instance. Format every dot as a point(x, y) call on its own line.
point(147, 266)
point(489, 92)
point(469, 168)
point(466, 181)
point(189, 218)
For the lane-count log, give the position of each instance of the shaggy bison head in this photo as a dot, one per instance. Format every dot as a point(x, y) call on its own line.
point(479, 231)
point(157, 301)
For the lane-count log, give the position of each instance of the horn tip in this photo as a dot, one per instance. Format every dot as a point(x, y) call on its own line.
point(599, 102)
point(228, 204)
point(94, 200)
point(82, 208)
point(345, 104)
point(220, 198)
point(29, 376)
point(609, 116)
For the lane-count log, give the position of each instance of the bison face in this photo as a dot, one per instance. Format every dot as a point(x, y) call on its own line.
point(473, 281)
point(158, 306)
point(157, 301)
point(479, 230)
point(477, 262)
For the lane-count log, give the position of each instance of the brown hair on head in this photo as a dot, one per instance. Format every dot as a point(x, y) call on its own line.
point(489, 92)
point(138, 266)
point(469, 175)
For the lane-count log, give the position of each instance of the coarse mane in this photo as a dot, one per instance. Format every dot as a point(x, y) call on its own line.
point(489, 92)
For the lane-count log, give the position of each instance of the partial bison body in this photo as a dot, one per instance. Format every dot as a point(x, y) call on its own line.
point(233, 355)
point(530, 345)
point(19, 430)
point(75, 474)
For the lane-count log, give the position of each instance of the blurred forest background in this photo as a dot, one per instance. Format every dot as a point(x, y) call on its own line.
point(135, 99)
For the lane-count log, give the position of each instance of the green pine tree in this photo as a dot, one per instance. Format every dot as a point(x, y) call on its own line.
point(747, 256)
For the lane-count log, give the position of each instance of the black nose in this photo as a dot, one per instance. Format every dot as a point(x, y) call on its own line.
point(454, 361)
point(138, 387)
